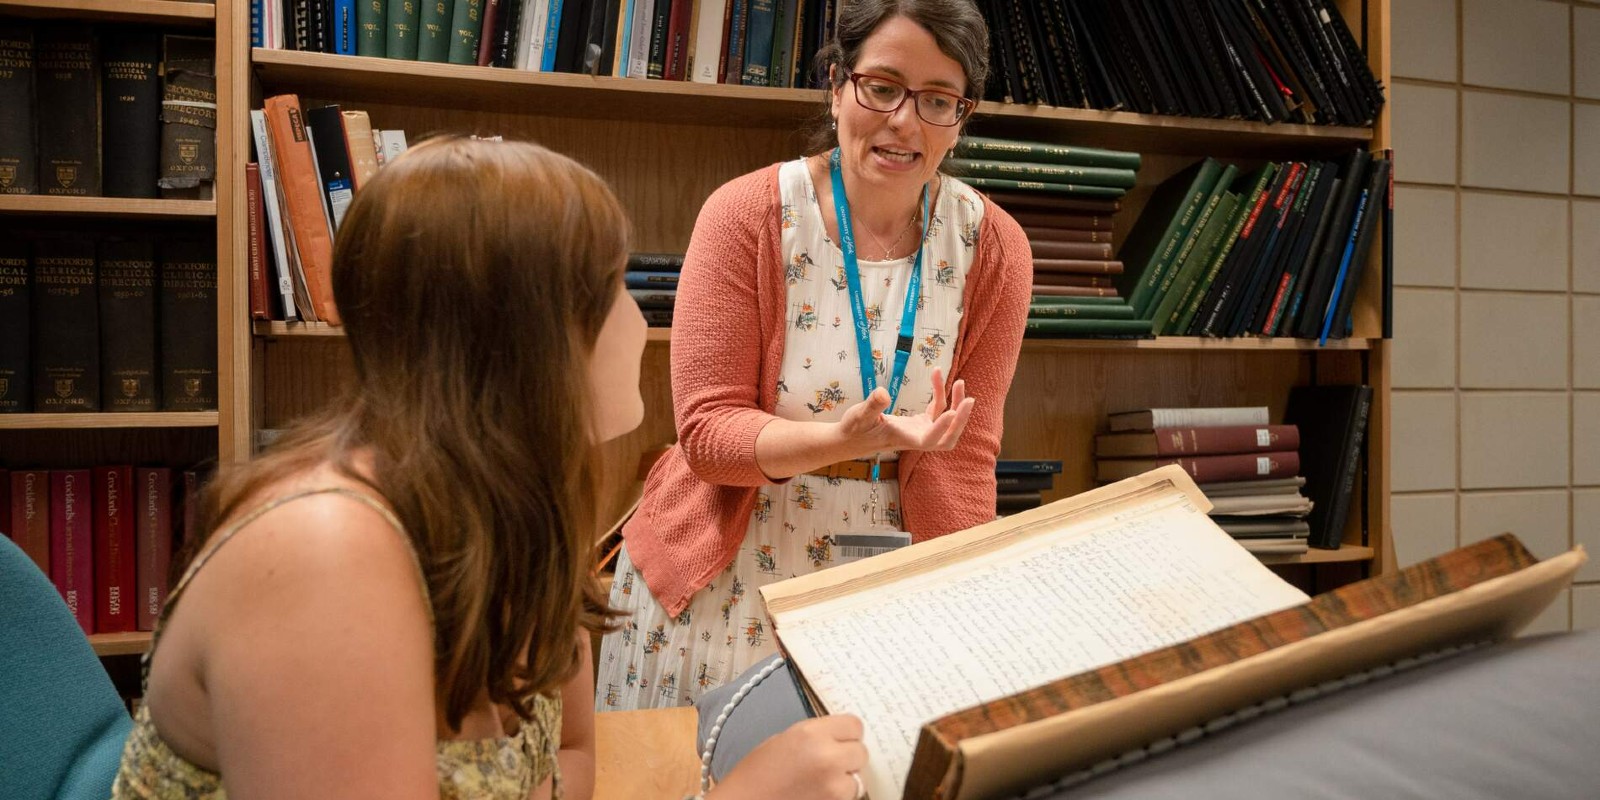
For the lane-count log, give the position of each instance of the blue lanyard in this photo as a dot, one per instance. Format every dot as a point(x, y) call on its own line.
point(858, 307)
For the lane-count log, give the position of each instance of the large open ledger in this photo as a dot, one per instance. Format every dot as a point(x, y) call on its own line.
point(1011, 654)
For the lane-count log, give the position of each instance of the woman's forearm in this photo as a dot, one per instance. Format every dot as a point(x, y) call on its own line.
point(786, 448)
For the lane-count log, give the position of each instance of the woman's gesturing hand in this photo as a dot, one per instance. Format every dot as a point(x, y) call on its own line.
point(939, 427)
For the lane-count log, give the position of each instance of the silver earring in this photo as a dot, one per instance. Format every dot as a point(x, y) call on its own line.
point(833, 124)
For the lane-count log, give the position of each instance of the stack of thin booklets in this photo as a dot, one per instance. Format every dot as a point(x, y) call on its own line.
point(1248, 468)
point(652, 280)
point(1020, 484)
point(1011, 655)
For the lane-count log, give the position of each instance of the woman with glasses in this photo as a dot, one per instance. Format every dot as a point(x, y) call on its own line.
point(845, 332)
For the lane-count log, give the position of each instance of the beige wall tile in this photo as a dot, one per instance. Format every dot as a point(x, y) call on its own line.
point(1586, 57)
point(1513, 44)
point(1425, 237)
point(1422, 443)
point(1586, 129)
point(1585, 341)
point(1585, 245)
point(1424, 526)
point(1512, 142)
point(1513, 341)
point(1424, 119)
point(1586, 439)
point(1513, 440)
point(1555, 618)
point(1586, 607)
point(1424, 339)
point(1539, 519)
point(1513, 242)
point(1423, 33)
point(1586, 530)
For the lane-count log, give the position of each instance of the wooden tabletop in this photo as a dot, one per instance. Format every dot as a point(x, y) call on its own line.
point(644, 755)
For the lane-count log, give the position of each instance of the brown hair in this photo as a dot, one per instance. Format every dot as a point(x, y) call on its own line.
point(956, 25)
point(473, 278)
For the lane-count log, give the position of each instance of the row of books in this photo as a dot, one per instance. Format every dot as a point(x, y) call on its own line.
point(116, 325)
point(308, 166)
point(105, 536)
point(1278, 251)
point(1291, 61)
point(113, 111)
point(1020, 484)
point(652, 281)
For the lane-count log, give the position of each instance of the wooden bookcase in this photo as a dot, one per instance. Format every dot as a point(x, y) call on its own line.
point(665, 146)
point(164, 438)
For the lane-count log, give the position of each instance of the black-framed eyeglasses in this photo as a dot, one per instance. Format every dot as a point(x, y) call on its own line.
point(934, 106)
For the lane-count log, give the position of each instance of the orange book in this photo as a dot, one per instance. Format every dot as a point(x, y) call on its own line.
point(302, 193)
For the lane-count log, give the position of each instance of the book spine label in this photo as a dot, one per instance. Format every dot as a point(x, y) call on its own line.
point(153, 543)
point(128, 317)
point(257, 251)
point(114, 561)
point(69, 124)
point(188, 327)
point(188, 130)
point(66, 326)
point(130, 89)
point(372, 24)
point(16, 322)
point(345, 27)
point(18, 157)
point(29, 524)
point(1230, 439)
point(71, 537)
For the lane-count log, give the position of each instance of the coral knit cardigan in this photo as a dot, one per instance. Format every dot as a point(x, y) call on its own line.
point(727, 347)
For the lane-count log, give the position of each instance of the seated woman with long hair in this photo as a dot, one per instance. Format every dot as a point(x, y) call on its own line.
point(395, 601)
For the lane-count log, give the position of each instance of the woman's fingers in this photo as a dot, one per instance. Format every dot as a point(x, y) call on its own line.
point(936, 405)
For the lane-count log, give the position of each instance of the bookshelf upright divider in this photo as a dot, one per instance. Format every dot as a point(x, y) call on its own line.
point(664, 146)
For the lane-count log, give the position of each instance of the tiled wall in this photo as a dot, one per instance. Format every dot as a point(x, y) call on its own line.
point(1496, 423)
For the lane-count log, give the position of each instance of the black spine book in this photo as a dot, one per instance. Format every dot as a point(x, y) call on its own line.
point(1224, 81)
point(1246, 290)
point(1314, 304)
point(601, 50)
point(332, 156)
point(1208, 320)
point(569, 40)
point(188, 115)
point(19, 160)
point(128, 378)
point(1108, 93)
point(504, 53)
point(1293, 230)
point(1241, 49)
point(66, 326)
point(1332, 422)
point(656, 63)
point(16, 297)
point(1377, 194)
point(1173, 47)
point(188, 309)
point(130, 91)
point(69, 111)
point(1313, 228)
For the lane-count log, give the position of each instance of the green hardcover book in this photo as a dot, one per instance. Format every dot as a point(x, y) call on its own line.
point(1160, 229)
point(1012, 150)
point(1067, 189)
point(1191, 238)
point(435, 31)
point(1075, 311)
point(1061, 300)
point(465, 27)
point(1068, 327)
point(372, 24)
point(1167, 312)
point(401, 42)
point(1054, 173)
point(1191, 306)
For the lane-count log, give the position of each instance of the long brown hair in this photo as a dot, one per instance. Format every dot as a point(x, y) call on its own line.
point(473, 278)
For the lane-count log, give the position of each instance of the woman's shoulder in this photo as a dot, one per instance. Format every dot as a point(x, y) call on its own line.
point(751, 192)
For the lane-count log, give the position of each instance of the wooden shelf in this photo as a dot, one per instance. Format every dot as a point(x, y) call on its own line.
point(1246, 344)
point(120, 644)
point(117, 207)
point(1345, 554)
point(88, 420)
point(297, 330)
point(353, 79)
point(172, 12)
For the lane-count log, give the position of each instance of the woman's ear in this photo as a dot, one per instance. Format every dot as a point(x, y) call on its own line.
point(833, 92)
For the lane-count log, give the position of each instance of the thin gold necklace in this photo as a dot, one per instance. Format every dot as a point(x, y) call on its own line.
point(889, 251)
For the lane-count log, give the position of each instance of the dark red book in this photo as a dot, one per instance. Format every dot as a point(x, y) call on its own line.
point(1076, 266)
point(1050, 233)
point(1073, 250)
point(72, 541)
point(258, 250)
point(1075, 291)
point(1199, 441)
point(678, 34)
point(1030, 201)
point(29, 522)
point(1207, 469)
point(152, 541)
point(114, 559)
point(1062, 219)
point(1070, 279)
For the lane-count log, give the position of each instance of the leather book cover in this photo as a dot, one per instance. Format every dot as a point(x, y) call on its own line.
point(128, 379)
point(114, 557)
point(152, 537)
point(372, 23)
point(299, 183)
point(68, 77)
point(1084, 251)
point(188, 116)
point(466, 23)
point(188, 326)
point(503, 48)
point(66, 326)
point(1074, 266)
point(130, 92)
point(256, 253)
point(1216, 440)
point(29, 523)
point(1208, 469)
point(19, 160)
point(401, 39)
point(358, 141)
point(72, 542)
point(434, 34)
point(493, 18)
point(16, 315)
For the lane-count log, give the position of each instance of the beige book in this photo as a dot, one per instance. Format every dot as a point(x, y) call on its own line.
point(363, 156)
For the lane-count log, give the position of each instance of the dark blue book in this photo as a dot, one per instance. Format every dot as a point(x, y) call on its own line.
point(650, 280)
point(1013, 466)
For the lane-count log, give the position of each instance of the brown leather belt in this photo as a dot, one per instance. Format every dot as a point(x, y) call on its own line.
point(858, 470)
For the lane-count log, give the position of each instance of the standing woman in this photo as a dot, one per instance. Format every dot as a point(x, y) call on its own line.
point(816, 295)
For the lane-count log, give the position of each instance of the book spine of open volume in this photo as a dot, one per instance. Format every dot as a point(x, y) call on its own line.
point(16, 322)
point(127, 286)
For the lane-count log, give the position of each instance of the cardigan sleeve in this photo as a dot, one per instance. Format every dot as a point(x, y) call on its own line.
point(717, 338)
point(955, 490)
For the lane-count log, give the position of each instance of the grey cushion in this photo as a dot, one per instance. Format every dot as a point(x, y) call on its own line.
point(1520, 719)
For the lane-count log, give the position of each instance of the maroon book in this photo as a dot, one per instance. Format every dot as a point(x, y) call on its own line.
point(1076, 266)
point(29, 523)
point(1199, 441)
point(72, 542)
point(152, 537)
point(1069, 279)
point(1207, 469)
point(1062, 219)
point(1075, 250)
point(1049, 233)
point(114, 559)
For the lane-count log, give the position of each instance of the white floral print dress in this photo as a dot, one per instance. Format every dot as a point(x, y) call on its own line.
point(658, 660)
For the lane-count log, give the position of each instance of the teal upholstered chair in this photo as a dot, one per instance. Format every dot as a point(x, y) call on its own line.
point(62, 724)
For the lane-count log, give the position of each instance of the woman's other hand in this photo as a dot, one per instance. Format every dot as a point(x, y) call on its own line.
point(815, 759)
point(937, 428)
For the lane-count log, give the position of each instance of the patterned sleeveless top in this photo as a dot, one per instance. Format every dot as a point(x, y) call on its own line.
point(504, 767)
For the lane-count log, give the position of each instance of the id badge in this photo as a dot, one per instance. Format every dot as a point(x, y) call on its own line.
point(857, 545)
